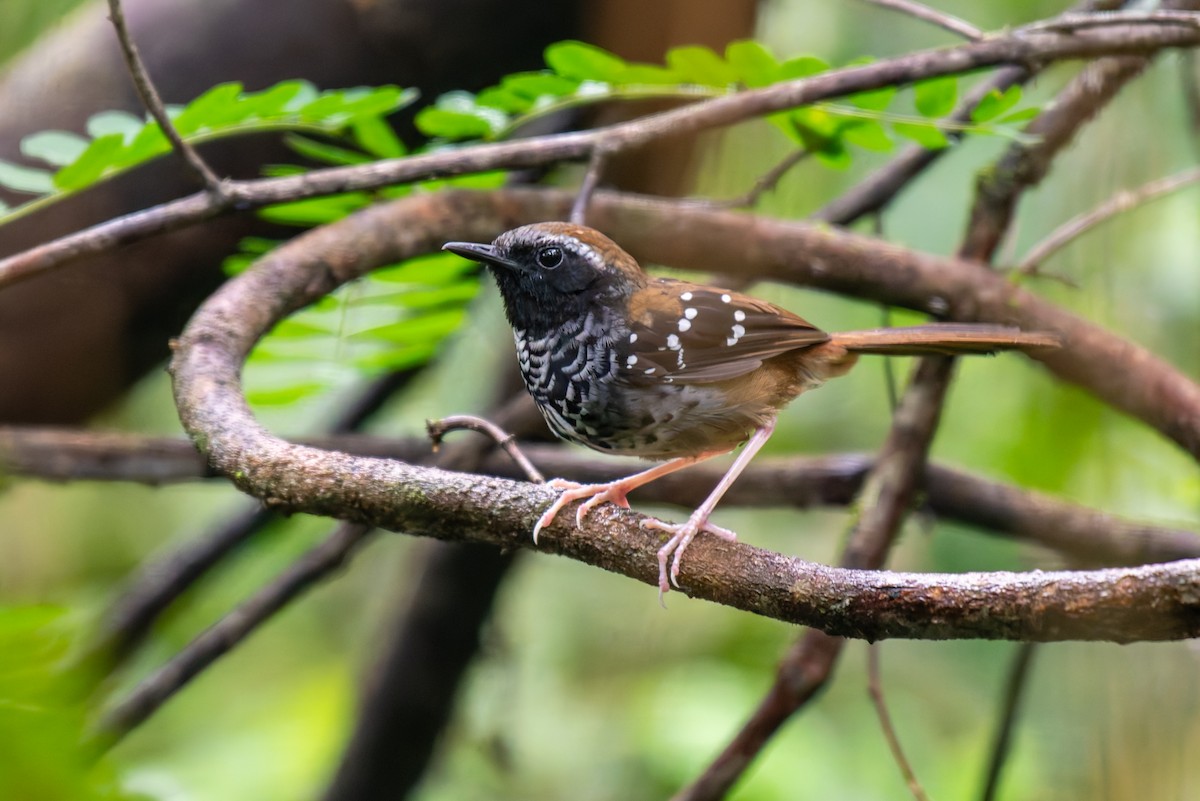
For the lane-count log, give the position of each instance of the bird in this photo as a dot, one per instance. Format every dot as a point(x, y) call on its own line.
point(669, 370)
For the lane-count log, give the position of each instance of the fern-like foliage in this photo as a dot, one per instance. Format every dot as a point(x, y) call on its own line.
point(581, 74)
point(398, 317)
point(117, 141)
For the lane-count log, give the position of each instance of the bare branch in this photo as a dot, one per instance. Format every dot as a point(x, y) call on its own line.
point(1025, 165)
point(1083, 536)
point(153, 103)
point(1014, 689)
point(885, 497)
point(765, 183)
point(439, 428)
point(227, 633)
point(1082, 22)
point(875, 691)
point(1133, 35)
point(587, 188)
point(949, 22)
point(1121, 202)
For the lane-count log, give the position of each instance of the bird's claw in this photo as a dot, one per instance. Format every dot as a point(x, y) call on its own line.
point(592, 496)
point(682, 535)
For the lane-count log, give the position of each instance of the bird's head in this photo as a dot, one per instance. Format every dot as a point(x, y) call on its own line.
point(552, 271)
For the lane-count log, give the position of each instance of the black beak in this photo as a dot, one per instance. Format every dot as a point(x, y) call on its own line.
point(484, 253)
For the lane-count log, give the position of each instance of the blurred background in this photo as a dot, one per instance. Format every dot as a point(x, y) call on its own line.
point(584, 685)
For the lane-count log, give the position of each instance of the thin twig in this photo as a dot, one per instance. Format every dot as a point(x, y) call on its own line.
point(765, 183)
point(875, 690)
point(949, 22)
point(1121, 202)
point(886, 495)
point(439, 428)
point(159, 582)
point(154, 104)
point(1190, 80)
point(1078, 22)
point(591, 180)
point(1014, 689)
point(227, 633)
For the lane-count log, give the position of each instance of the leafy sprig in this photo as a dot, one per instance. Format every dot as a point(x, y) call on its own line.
point(117, 141)
point(579, 74)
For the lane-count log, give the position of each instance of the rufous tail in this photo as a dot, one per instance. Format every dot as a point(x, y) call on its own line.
point(944, 338)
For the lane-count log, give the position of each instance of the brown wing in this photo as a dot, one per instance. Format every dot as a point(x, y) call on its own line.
point(689, 333)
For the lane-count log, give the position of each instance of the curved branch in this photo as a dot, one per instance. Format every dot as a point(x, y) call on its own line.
point(1020, 46)
point(1154, 602)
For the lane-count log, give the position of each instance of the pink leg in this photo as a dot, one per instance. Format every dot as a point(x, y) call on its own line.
point(683, 534)
point(614, 491)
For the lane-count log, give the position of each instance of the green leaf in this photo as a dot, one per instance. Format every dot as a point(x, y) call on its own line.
point(457, 293)
point(54, 147)
point(1024, 115)
point(506, 101)
point(583, 62)
point(400, 358)
point(532, 85)
point(700, 65)
point(376, 137)
point(294, 328)
point(439, 122)
point(867, 134)
point(317, 210)
point(210, 110)
point(925, 134)
point(647, 75)
point(282, 396)
point(935, 97)
point(98, 158)
point(435, 268)
point(836, 157)
point(873, 99)
point(801, 67)
point(275, 100)
point(114, 122)
point(324, 152)
point(995, 103)
point(25, 179)
point(422, 328)
point(752, 63)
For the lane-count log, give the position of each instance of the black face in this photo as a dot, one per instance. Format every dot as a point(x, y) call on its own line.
point(545, 275)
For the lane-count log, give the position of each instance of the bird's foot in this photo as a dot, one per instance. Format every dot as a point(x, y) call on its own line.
point(682, 535)
point(592, 496)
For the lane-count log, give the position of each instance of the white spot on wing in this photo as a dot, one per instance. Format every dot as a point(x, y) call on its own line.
point(686, 296)
point(726, 298)
point(690, 314)
point(685, 324)
point(739, 315)
point(673, 342)
point(632, 338)
point(631, 361)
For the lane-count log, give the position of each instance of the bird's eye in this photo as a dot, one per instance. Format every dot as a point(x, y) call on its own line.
point(550, 257)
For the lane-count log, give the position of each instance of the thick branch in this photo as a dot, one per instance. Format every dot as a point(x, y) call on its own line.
point(1084, 536)
point(1142, 603)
